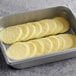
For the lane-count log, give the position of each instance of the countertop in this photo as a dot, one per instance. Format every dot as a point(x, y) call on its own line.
point(60, 68)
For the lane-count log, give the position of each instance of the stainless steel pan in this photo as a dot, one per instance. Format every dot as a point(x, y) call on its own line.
point(34, 16)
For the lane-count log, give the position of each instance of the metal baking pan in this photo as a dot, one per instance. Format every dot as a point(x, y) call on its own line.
point(34, 16)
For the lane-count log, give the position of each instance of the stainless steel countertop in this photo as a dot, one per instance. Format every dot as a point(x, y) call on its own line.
point(60, 68)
